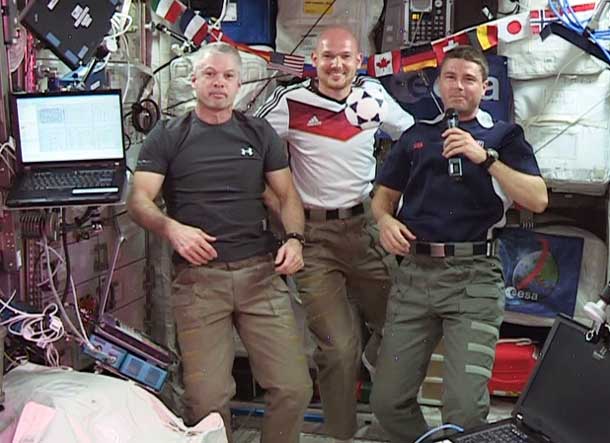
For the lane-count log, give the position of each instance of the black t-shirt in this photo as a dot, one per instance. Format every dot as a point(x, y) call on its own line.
point(215, 177)
point(436, 207)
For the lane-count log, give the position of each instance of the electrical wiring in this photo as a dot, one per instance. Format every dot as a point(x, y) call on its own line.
point(438, 428)
point(82, 335)
point(115, 22)
point(8, 147)
point(567, 16)
point(42, 329)
point(218, 22)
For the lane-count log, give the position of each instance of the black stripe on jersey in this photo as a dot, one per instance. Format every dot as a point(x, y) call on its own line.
point(275, 98)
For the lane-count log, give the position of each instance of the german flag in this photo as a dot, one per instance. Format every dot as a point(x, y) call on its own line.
point(416, 62)
point(483, 37)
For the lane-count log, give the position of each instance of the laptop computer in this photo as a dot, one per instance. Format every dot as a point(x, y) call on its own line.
point(567, 397)
point(70, 149)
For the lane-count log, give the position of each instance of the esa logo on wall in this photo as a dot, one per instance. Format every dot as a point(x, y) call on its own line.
point(418, 92)
point(541, 271)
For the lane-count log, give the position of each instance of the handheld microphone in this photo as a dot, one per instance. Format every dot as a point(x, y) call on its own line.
point(455, 163)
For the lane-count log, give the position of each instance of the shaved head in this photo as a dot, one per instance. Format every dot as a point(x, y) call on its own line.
point(340, 33)
point(336, 58)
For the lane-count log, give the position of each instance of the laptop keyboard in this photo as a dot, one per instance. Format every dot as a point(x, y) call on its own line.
point(507, 433)
point(88, 178)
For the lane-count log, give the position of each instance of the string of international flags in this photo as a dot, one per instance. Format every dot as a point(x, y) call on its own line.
point(486, 36)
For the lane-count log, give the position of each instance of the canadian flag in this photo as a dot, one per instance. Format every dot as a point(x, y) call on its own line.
point(387, 63)
point(512, 28)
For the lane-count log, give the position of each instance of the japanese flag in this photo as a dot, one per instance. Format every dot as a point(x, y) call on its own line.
point(512, 28)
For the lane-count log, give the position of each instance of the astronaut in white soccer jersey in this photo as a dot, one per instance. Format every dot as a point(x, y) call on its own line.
point(346, 275)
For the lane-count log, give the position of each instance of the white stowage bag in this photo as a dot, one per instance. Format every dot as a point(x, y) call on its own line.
point(254, 75)
point(566, 119)
point(296, 17)
point(591, 278)
point(52, 405)
point(533, 57)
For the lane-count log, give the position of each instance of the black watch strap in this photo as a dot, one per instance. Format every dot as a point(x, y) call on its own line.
point(296, 236)
point(492, 156)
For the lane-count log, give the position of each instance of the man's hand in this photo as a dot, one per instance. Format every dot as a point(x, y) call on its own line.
point(289, 258)
point(458, 141)
point(394, 236)
point(191, 243)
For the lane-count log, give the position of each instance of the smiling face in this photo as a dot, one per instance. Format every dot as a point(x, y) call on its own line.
point(336, 59)
point(462, 86)
point(216, 80)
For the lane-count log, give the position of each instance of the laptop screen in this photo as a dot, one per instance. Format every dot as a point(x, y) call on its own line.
point(69, 126)
point(568, 398)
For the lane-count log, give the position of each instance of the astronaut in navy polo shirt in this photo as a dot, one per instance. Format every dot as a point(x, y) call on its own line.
point(454, 185)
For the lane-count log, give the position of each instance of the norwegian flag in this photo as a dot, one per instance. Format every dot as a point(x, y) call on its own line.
point(539, 18)
point(387, 63)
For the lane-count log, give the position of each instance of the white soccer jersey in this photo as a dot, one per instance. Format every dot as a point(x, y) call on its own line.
point(332, 161)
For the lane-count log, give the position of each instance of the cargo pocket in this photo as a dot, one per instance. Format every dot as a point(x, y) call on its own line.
point(188, 298)
point(278, 296)
point(484, 303)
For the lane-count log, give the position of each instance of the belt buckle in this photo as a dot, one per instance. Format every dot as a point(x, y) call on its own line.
point(343, 213)
point(437, 250)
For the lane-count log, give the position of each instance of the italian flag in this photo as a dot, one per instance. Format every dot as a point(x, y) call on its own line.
point(170, 10)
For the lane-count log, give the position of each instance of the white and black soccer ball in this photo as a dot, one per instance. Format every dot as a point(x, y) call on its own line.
point(366, 108)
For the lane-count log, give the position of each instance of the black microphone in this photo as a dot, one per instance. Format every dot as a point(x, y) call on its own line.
point(455, 163)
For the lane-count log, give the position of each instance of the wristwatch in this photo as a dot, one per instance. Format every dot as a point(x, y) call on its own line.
point(492, 156)
point(296, 236)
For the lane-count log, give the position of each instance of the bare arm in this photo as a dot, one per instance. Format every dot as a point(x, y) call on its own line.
point(141, 205)
point(527, 190)
point(394, 236)
point(191, 243)
point(289, 258)
point(272, 202)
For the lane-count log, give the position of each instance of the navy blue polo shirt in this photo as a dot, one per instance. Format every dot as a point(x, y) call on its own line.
point(438, 208)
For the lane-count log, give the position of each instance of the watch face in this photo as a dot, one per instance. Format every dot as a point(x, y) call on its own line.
point(493, 153)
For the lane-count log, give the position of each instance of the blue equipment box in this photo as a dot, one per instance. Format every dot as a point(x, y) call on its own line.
point(255, 24)
point(143, 371)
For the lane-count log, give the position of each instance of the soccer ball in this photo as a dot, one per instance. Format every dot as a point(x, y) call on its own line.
point(366, 108)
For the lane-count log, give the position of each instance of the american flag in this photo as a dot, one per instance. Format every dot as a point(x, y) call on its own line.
point(290, 64)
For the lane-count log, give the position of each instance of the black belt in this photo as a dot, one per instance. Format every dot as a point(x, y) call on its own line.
point(466, 249)
point(333, 214)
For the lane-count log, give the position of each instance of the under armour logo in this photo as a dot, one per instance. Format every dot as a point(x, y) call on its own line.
point(249, 151)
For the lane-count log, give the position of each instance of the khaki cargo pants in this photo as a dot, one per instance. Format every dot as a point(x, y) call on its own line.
point(208, 302)
point(460, 299)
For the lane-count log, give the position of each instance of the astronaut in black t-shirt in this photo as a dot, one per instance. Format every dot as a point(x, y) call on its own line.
point(456, 184)
point(211, 167)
